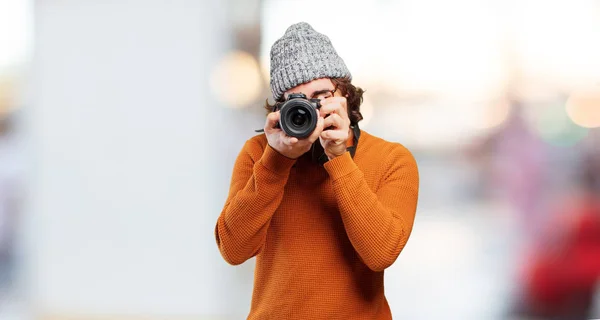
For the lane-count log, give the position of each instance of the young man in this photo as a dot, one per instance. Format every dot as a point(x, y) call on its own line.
point(324, 215)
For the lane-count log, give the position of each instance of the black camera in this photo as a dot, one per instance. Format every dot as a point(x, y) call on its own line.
point(298, 115)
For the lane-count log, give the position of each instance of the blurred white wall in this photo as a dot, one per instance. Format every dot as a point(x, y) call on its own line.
point(123, 199)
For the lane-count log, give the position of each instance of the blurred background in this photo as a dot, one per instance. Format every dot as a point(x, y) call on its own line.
point(120, 122)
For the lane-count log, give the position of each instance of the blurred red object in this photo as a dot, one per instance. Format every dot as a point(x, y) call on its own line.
point(564, 270)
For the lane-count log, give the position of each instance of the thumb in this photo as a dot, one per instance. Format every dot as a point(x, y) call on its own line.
point(271, 122)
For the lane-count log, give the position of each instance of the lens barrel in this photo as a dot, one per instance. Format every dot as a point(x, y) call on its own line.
point(298, 118)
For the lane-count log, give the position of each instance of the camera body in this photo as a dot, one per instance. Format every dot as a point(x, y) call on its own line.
point(299, 115)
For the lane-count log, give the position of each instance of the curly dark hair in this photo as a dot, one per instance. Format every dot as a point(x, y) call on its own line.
point(353, 94)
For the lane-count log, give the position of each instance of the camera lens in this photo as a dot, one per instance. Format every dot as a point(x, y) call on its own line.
point(299, 118)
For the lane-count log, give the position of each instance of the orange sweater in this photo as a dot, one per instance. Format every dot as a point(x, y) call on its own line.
point(322, 235)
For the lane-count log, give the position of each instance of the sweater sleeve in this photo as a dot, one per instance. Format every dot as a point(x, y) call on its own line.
point(255, 193)
point(378, 223)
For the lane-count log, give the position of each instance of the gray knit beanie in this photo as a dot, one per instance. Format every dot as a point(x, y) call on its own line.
point(303, 55)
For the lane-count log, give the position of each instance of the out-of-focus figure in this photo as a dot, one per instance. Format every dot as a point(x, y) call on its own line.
point(513, 167)
point(563, 271)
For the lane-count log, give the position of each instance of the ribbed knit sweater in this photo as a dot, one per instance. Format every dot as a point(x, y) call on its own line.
point(322, 234)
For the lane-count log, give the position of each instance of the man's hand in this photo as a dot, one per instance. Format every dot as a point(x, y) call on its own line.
point(337, 125)
point(290, 147)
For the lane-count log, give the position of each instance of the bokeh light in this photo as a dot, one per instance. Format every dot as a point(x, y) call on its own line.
point(554, 126)
point(492, 114)
point(236, 79)
point(584, 108)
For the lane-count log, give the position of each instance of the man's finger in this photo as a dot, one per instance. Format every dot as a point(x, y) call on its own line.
point(331, 108)
point(315, 135)
point(335, 136)
point(334, 100)
point(271, 122)
point(333, 120)
point(287, 140)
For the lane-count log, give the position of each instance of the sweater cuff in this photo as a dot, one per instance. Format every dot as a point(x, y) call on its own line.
point(340, 166)
point(276, 162)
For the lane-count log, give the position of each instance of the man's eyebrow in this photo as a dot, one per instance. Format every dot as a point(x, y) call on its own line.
point(316, 93)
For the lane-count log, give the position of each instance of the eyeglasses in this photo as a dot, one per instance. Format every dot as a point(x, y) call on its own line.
point(325, 94)
point(321, 95)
